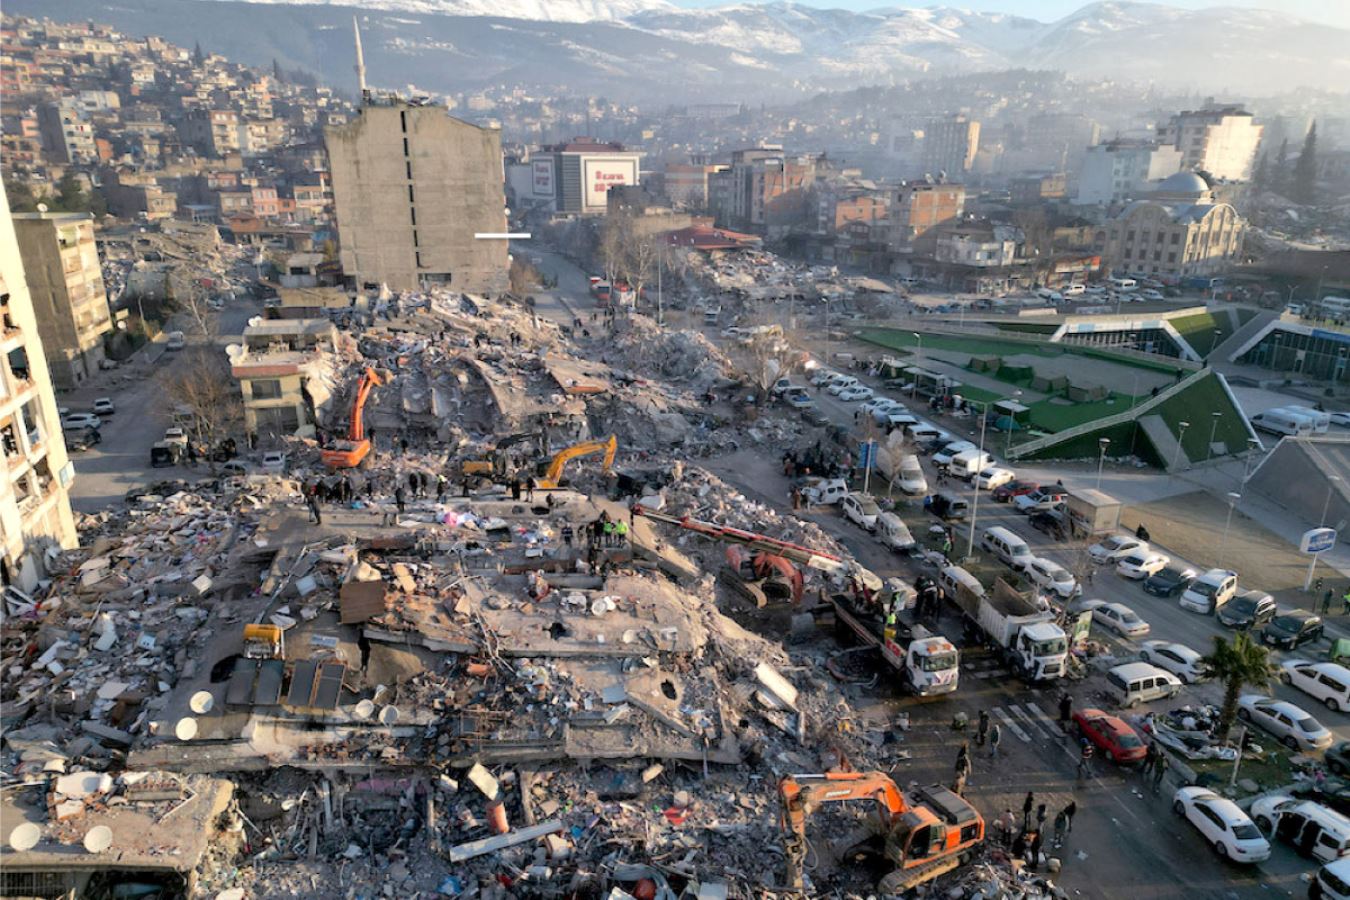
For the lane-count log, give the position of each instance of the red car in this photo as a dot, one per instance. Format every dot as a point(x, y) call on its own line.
point(1005, 492)
point(1111, 735)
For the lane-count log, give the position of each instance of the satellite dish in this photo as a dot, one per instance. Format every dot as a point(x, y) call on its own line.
point(364, 710)
point(234, 351)
point(389, 715)
point(186, 729)
point(25, 837)
point(255, 320)
point(202, 702)
point(99, 838)
point(42, 207)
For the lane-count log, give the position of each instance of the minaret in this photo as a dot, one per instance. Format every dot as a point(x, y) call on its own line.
point(360, 62)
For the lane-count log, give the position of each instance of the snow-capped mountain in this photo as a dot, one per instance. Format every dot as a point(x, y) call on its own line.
point(655, 50)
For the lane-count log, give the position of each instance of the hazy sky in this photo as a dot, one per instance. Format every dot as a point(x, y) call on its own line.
point(1335, 12)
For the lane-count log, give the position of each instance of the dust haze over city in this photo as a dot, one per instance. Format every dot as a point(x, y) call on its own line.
point(674, 450)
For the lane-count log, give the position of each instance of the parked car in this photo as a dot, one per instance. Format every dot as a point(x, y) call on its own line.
point(943, 457)
point(275, 460)
point(1038, 501)
point(1222, 824)
point(1117, 740)
point(1331, 882)
point(103, 406)
point(1152, 294)
point(856, 392)
point(993, 477)
point(1170, 580)
point(77, 420)
point(1289, 723)
point(1050, 521)
point(813, 416)
point(1328, 682)
point(799, 401)
point(1140, 564)
point(1114, 547)
point(860, 509)
point(1006, 492)
point(1337, 759)
point(912, 480)
point(1311, 828)
point(235, 467)
point(1052, 577)
point(1250, 609)
point(1292, 629)
point(79, 439)
point(1178, 659)
point(878, 403)
point(1118, 617)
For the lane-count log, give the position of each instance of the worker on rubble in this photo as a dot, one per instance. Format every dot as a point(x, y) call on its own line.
point(621, 533)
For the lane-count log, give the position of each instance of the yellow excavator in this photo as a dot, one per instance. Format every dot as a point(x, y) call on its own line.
point(552, 477)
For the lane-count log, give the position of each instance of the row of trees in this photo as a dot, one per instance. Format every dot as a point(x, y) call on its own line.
point(1298, 181)
point(70, 196)
point(628, 252)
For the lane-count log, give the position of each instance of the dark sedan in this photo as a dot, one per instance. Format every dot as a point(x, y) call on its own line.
point(1292, 629)
point(1250, 609)
point(1170, 580)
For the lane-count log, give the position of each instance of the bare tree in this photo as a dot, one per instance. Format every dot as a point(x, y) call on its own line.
point(202, 384)
point(890, 456)
point(611, 250)
point(190, 297)
point(772, 359)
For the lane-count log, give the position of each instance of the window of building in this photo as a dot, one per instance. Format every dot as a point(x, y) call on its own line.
point(278, 421)
point(18, 364)
point(1176, 237)
point(411, 198)
point(1158, 239)
point(1129, 236)
point(266, 389)
point(1172, 257)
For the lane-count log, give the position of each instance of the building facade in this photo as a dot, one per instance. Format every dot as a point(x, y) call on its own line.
point(412, 187)
point(65, 284)
point(34, 500)
point(66, 133)
point(687, 185)
point(764, 189)
point(1219, 140)
point(950, 145)
point(1119, 170)
point(918, 209)
point(577, 175)
point(1180, 231)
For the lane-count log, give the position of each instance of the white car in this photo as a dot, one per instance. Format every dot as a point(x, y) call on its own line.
point(840, 383)
point(1116, 616)
point(1151, 294)
point(1094, 289)
point(1328, 682)
point(1037, 501)
point(1139, 564)
point(944, 456)
point(175, 436)
point(860, 509)
point(897, 417)
point(823, 377)
point(857, 392)
point(1224, 825)
point(275, 460)
point(1341, 418)
point(103, 406)
point(1178, 659)
point(912, 480)
point(1113, 548)
point(993, 477)
point(1293, 726)
point(877, 404)
point(1073, 290)
point(799, 401)
point(1052, 577)
point(75, 421)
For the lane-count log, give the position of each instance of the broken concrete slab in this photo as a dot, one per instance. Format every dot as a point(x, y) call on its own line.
point(469, 850)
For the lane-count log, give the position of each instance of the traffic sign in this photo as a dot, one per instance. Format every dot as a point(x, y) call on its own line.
point(1317, 540)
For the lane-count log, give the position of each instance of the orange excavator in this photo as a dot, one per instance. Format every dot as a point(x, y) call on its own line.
point(552, 477)
point(351, 452)
point(925, 833)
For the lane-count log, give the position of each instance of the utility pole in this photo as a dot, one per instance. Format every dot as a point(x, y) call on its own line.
point(975, 482)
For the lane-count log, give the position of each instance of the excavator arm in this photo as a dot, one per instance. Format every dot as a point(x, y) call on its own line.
point(801, 794)
point(349, 453)
point(370, 380)
point(553, 477)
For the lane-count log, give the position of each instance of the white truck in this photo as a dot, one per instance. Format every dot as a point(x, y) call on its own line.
point(928, 664)
point(1028, 636)
point(969, 463)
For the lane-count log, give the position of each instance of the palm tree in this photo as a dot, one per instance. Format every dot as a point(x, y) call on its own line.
point(1237, 663)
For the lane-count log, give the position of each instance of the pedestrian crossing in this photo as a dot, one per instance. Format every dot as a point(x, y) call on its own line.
point(1028, 722)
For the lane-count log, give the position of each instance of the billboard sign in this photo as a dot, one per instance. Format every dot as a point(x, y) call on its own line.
point(599, 174)
point(1317, 540)
point(541, 183)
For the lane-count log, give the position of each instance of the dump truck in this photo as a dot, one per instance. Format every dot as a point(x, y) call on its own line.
point(1027, 636)
point(1091, 512)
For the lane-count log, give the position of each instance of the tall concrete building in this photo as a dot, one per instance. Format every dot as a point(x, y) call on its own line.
point(764, 188)
point(66, 134)
point(412, 186)
point(916, 211)
point(1219, 140)
point(949, 145)
point(575, 177)
point(1119, 170)
point(65, 282)
point(35, 473)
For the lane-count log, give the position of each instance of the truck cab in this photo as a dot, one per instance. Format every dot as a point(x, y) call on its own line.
point(931, 662)
point(1042, 650)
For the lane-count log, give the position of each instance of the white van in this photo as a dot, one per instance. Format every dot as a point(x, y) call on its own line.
point(1278, 421)
point(1332, 882)
point(954, 578)
point(1208, 593)
point(840, 384)
point(1007, 546)
point(1321, 421)
point(1322, 833)
point(893, 533)
point(1073, 290)
point(944, 456)
point(1124, 284)
point(825, 491)
point(1138, 682)
point(1326, 681)
point(912, 480)
point(969, 463)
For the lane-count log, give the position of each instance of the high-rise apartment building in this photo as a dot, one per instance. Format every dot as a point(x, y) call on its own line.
point(34, 470)
point(66, 134)
point(65, 282)
point(1118, 170)
point(763, 188)
point(575, 177)
point(412, 187)
point(949, 145)
point(1219, 140)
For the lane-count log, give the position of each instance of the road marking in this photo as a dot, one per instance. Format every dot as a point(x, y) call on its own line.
point(1011, 725)
point(1040, 714)
point(1031, 723)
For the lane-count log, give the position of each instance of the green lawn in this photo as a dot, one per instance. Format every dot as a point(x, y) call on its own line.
point(1196, 405)
point(1199, 330)
point(897, 339)
point(1054, 417)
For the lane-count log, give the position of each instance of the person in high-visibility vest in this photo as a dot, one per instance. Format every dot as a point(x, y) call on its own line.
point(621, 532)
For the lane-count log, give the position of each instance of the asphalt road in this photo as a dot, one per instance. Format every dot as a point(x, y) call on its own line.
point(1126, 842)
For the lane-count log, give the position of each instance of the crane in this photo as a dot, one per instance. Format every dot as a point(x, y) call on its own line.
point(552, 477)
point(929, 664)
point(926, 833)
point(351, 452)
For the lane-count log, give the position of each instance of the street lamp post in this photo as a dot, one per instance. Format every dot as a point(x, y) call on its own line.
point(1213, 430)
point(1233, 498)
point(1252, 444)
point(975, 485)
point(918, 364)
point(1012, 420)
point(1181, 435)
point(1103, 443)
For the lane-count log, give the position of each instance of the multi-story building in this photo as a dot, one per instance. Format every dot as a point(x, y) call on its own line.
point(65, 284)
point(917, 209)
point(1119, 170)
point(419, 197)
point(1179, 231)
point(35, 473)
point(1036, 188)
point(764, 189)
point(578, 175)
point(213, 132)
point(687, 185)
point(1219, 140)
point(949, 145)
point(66, 134)
point(285, 370)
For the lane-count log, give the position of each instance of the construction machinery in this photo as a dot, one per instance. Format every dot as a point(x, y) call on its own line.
point(264, 642)
point(924, 833)
point(552, 477)
point(493, 465)
point(351, 452)
point(761, 568)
